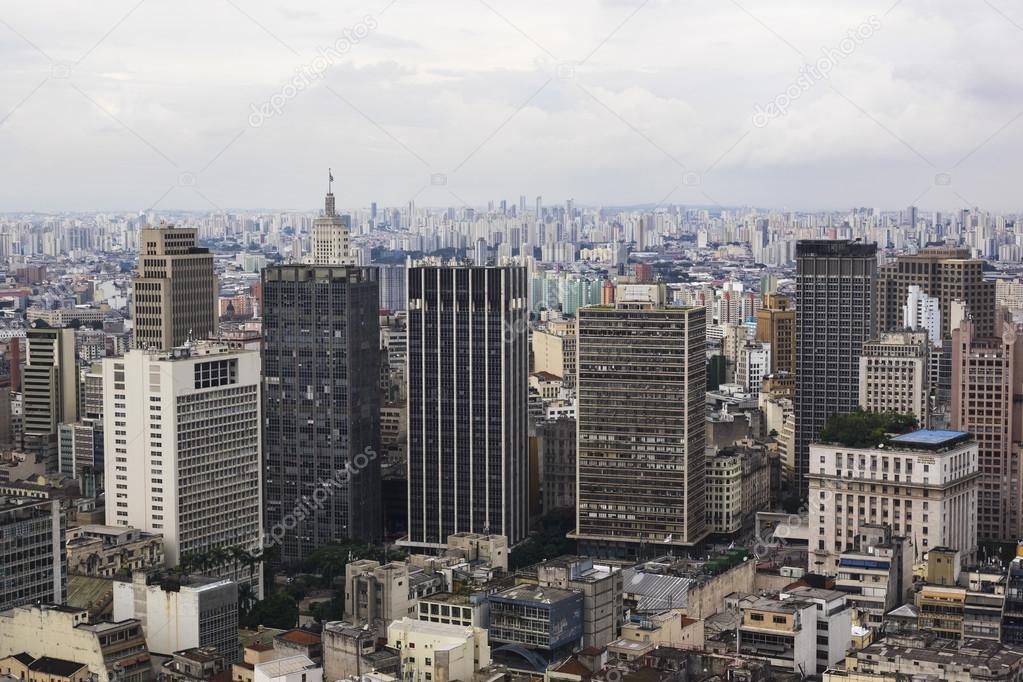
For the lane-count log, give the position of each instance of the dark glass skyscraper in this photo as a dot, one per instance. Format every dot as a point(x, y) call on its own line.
point(321, 406)
point(835, 314)
point(468, 367)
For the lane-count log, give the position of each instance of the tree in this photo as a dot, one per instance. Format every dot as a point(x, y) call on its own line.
point(278, 610)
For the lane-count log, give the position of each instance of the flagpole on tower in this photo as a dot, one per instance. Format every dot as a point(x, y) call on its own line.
point(330, 181)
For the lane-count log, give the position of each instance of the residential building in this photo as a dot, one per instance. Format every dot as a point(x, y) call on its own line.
point(922, 313)
point(945, 273)
point(987, 374)
point(44, 669)
point(32, 563)
point(556, 452)
point(640, 462)
point(554, 350)
point(468, 364)
point(776, 326)
point(834, 622)
point(922, 484)
point(181, 612)
point(895, 374)
point(183, 448)
point(321, 405)
point(752, 366)
point(431, 652)
point(738, 486)
point(111, 650)
point(875, 574)
point(835, 287)
point(174, 296)
point(784, 631)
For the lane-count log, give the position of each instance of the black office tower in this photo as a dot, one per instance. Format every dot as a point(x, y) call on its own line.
point(468, 368)
point(836, 285)
point(321, 406)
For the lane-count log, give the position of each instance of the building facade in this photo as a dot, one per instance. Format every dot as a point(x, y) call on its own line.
point(321, 405)
point(895, 374)
point(835, 282)
point(641, 461)
point(175, 292)
point(468, 363)
point(32, 563)
point(776, 325)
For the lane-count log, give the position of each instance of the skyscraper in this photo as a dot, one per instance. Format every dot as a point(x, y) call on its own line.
point(332, 235)
point(175, 292)
point(321, 405)
point(641, 460)
point(945, 273)
point(835, 314)
point(49, 389)
point(183, 448)
point(468, 367)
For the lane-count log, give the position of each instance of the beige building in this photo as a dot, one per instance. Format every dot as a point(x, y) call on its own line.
point(49, 387)
point(784, 631)
point(492, 549)
point(175, 291)
point(432, 652)
point(776, 325)
point(112, 651)
point(105, 551)
point(554, 350)
point(894, 374)
point(331, 235)
point(738, 486)
point(641, 424)
point(922, 484)
point(931, 659)
point(665, 629)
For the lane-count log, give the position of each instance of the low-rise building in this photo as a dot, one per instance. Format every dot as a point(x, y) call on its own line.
point(111, 650)
point(431, 652)
point(291, 669)
point(447, 608)
point(105, 551)
point(546, 619)
point(643, 634)
point(892, 659)
point(352, 652)
point(46, 669)
point(876, 574)
point(299, 642)
point(602, 590)
point(834, 622)
point(182, 612)
point(782, 631)
point(193, 665)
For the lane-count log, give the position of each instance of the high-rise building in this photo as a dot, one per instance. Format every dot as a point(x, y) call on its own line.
point(331, 235)
point(922, 313)
point(49, 389)
point(321, 405)
point(987, 375)
point(945, 273)
point(32, 559)
point(835, 283)
point(175, 292)
point(183, 449)
point(641, 458)
point(392, 287)
point(468, 363)
point(776, 325)
point(895, 374)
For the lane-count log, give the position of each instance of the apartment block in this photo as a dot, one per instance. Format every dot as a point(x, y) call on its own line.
point(895, 374)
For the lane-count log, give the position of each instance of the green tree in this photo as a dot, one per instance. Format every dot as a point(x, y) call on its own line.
point(279, 610)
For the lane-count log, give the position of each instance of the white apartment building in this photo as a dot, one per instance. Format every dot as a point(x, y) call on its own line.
point(753, 364)
point(922, 313)
point(895, 374)
point(433, 652)
point(922, 484)
point(182, 447)
point(834, 623)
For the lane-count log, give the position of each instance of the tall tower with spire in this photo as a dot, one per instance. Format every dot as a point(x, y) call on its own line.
point(331, 233)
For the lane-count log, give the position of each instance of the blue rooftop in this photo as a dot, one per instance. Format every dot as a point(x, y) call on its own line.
point(929, 438)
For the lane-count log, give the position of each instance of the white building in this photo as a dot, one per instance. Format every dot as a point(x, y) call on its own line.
point(923, 313)
point(834, 623)
point(181, 614)
point(922, 484)
point(433, 652)
point(290, 669)
point(895, 374)
point(754, 363)
point(182, 447)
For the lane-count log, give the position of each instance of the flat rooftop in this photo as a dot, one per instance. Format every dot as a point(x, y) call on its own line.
point(930, 439)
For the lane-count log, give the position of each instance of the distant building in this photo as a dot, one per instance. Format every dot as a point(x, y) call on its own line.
point(49, 389)
point(174, 296)
point(776, 325)
point(106, 551)
point(895, 376)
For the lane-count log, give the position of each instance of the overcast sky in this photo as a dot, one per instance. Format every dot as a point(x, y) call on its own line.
point(193, 103)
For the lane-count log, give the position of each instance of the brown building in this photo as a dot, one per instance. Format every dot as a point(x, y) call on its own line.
point(987, 374)
point(175, 291)
point(776, 325)
point(945, 273)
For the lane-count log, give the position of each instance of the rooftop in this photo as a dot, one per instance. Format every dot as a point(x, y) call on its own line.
point(534, 593)
point(285, 666)
point(930, 439)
